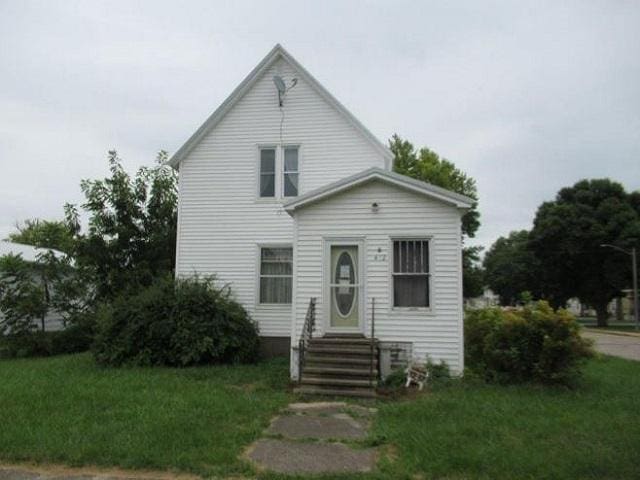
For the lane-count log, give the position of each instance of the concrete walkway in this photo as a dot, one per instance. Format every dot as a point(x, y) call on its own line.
point(316, 438)
point(58, 472)
point(619, 345)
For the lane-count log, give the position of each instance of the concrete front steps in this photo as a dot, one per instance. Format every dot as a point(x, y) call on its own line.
point(339, 365)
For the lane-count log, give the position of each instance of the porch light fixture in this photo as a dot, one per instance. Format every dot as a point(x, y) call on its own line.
point(375, 207)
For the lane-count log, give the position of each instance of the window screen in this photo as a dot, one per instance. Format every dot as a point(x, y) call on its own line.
point(411, 273)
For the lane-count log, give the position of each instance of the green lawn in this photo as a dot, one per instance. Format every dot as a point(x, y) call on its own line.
point(524, 432)
point(67, 410)
point(591, 322)
point(614, 328)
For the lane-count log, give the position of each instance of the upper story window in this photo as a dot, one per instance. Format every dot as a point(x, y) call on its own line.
point(267, 172)
point(411, 273)
point(279, 172)
point(290, 177)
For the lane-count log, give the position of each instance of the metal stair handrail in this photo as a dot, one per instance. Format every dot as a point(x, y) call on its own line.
point(306, 335)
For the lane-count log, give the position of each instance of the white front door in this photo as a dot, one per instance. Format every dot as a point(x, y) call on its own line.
point(344, 288)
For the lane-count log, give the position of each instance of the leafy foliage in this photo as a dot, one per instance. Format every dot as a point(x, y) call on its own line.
point(567, 236)
point(473, 280)
point(532, 344)
point(511, 267)
point(175, 323)
point(73, 339)
point(55, 235)
point(31, 290)
point(426, 165)
point(23, 295)
point(132, 226)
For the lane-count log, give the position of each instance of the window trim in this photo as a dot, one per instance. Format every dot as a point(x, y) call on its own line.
point(258, 276)
point(278, 196)
point(392, 274)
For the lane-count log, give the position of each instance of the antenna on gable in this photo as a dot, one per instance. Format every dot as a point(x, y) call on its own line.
point(282, 88)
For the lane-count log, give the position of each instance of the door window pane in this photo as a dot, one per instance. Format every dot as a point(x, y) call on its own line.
point(344, 287)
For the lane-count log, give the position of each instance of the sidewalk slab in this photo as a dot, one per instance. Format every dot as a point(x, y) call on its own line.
point(338, 426)
point(282, 456)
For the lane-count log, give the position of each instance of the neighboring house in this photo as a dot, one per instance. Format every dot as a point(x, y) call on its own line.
point(487, 299)
point(53, 321)
point(286, 197)
point(620, 309)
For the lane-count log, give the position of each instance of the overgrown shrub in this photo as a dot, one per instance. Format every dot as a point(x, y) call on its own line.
point(395, 380)
point(77, 337)
point(175, 323)
point(439, 373)
point(532, 344)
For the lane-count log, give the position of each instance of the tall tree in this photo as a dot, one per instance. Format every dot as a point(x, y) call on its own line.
point(473, 280)
point(132, 226)
point(511, 268)
point(428, 166)
point(567, 236)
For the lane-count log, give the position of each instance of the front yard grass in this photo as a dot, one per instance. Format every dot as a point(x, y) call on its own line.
point(67, 410)
point(521, 432)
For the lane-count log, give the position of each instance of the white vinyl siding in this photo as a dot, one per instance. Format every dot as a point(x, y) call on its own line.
point(221, 216)
point(436, 331)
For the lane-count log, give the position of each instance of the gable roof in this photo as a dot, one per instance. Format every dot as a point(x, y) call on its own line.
point(392, 178)
point(276, 52)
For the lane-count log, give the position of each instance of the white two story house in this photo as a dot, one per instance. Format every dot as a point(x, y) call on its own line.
point(286, 197)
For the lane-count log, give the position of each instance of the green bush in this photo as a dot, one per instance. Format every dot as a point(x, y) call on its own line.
point(77, 337)
point(175, 323)
point(439, 373)
point(532, 344)
point(395, 380)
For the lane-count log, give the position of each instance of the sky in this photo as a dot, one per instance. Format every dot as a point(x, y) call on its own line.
point(525, 97)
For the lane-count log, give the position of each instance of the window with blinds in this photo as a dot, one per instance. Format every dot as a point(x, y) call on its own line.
point(411, 273)
point(276, 273)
